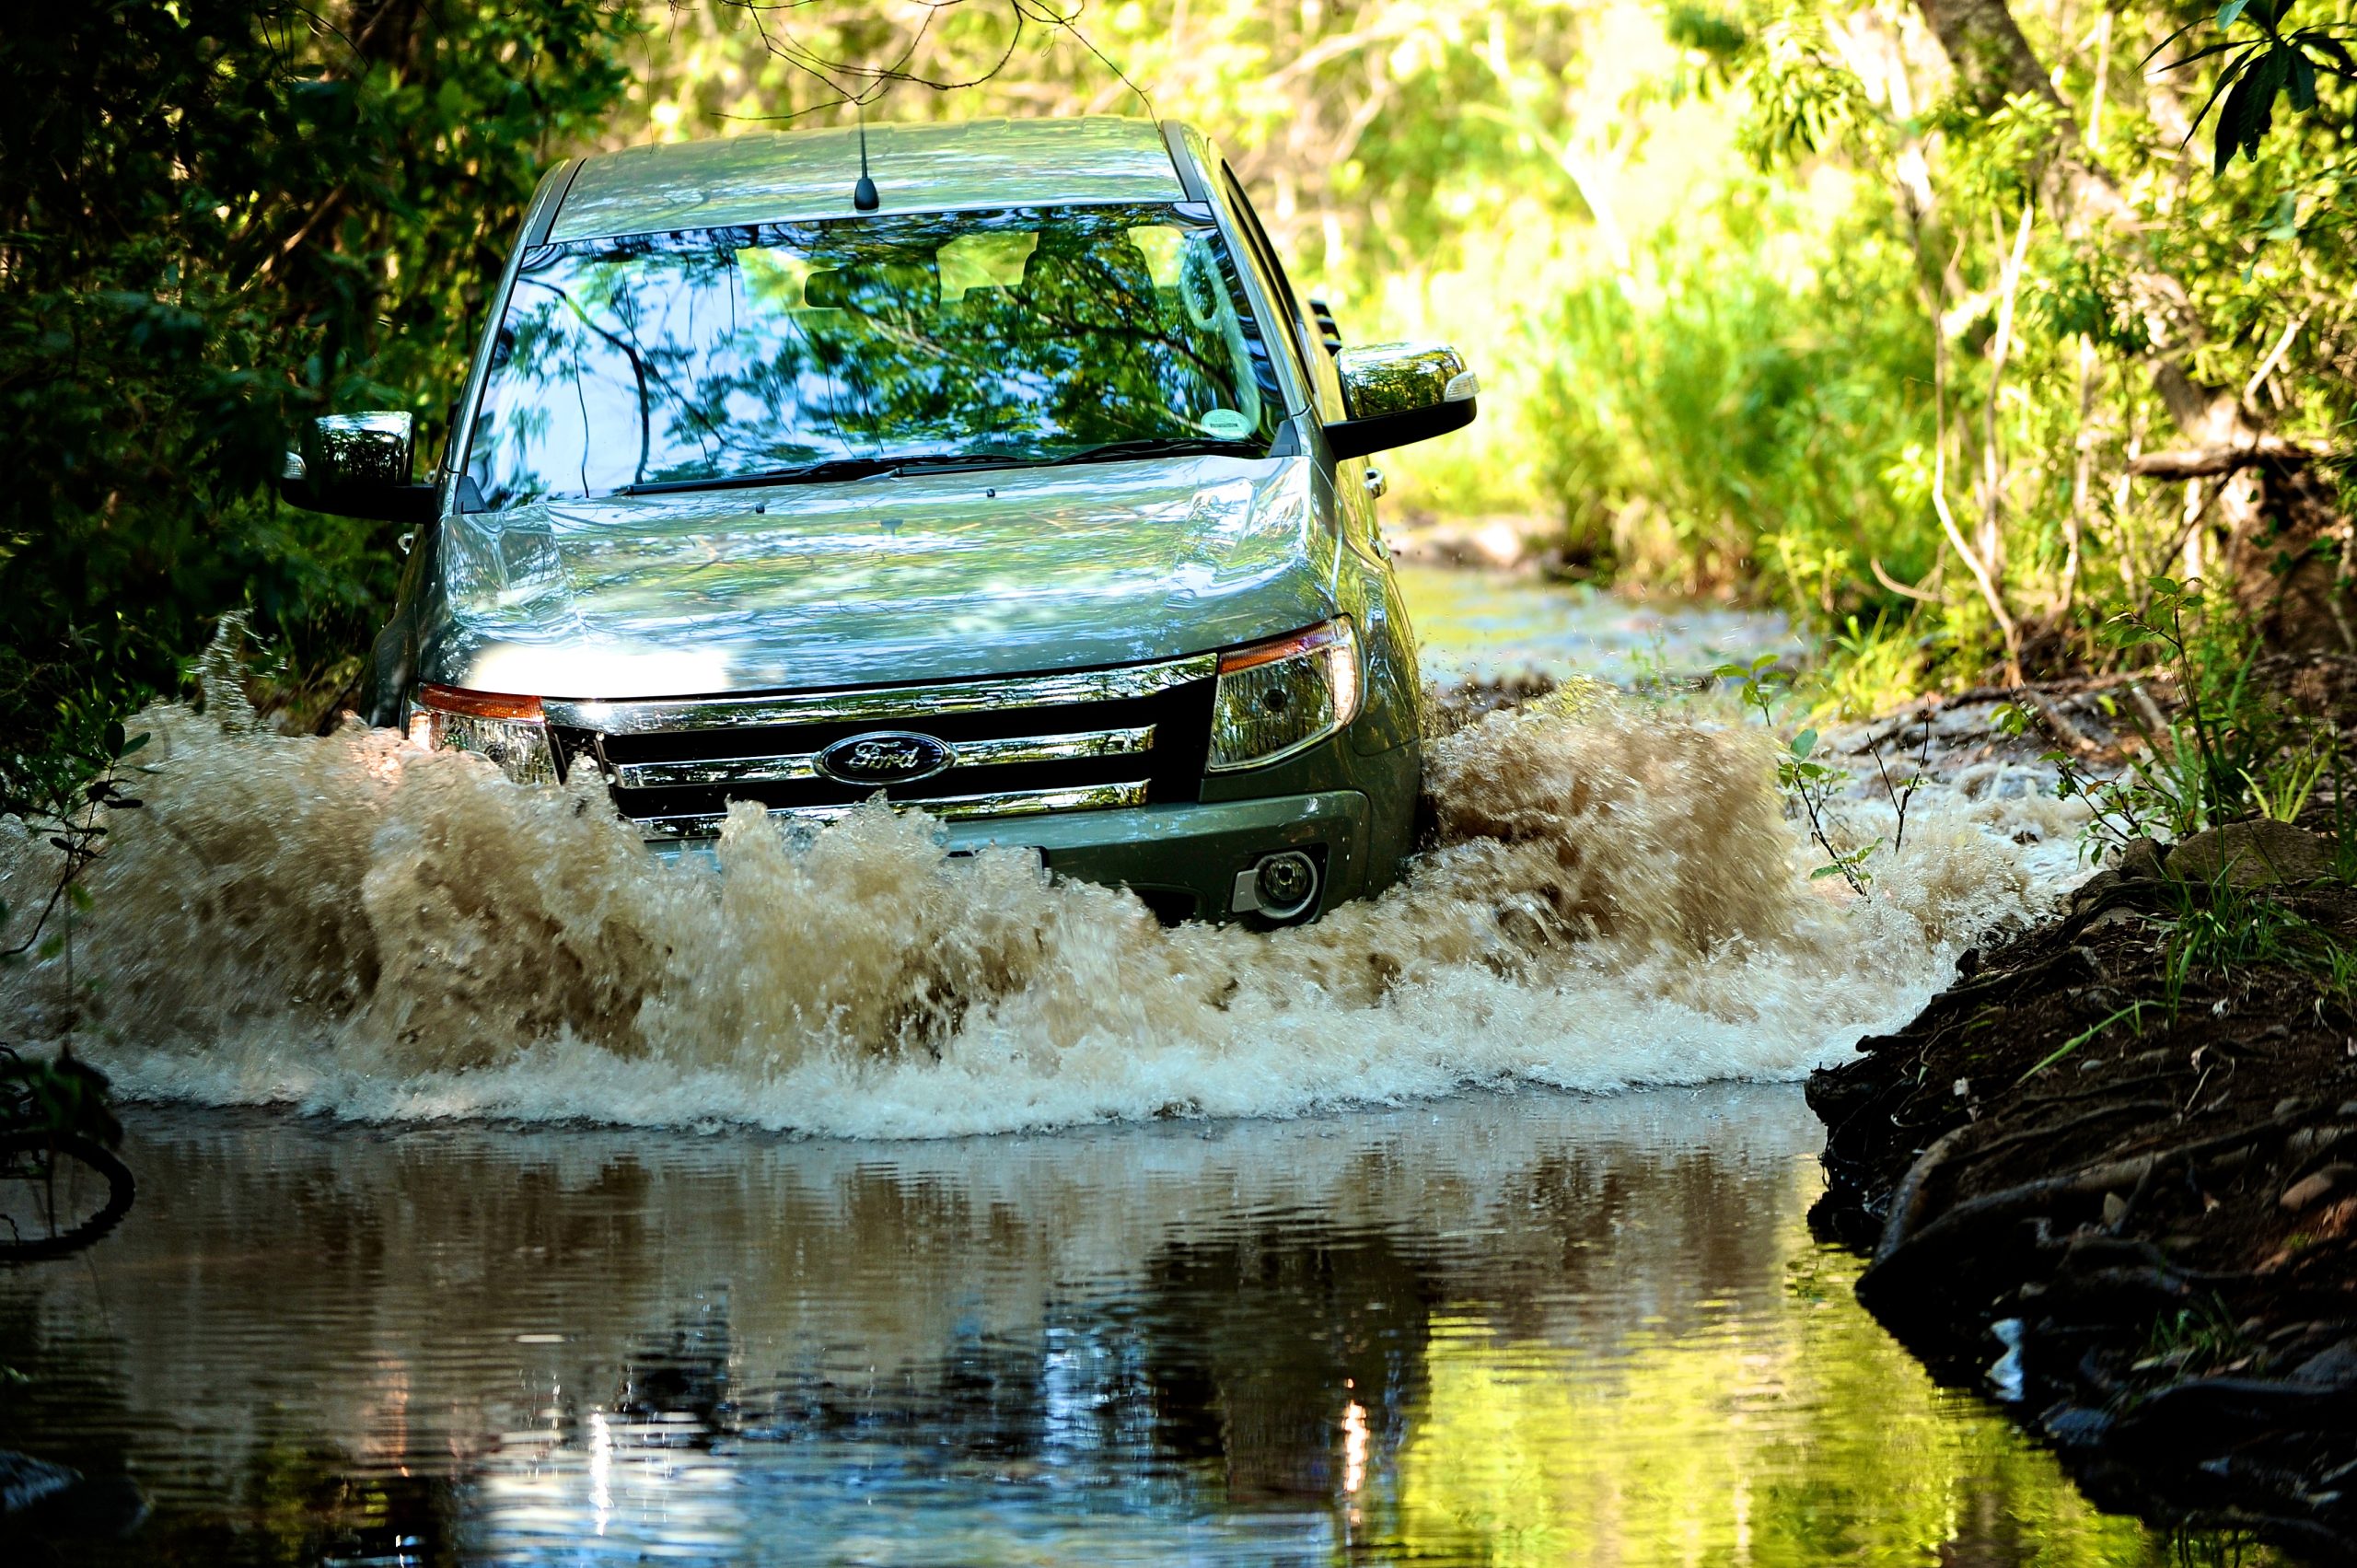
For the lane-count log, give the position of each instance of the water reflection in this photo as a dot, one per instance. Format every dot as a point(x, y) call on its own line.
point(1498, 1331)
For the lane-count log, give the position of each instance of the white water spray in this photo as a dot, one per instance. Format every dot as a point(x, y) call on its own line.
point(352, 925)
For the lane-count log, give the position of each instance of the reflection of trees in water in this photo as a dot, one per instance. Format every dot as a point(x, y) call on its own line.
point(277, 1503)
point(1554, 1331)
point(1262, 1340)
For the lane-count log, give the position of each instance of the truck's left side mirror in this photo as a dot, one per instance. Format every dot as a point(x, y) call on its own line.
point(359, 465)
point(1400, 392)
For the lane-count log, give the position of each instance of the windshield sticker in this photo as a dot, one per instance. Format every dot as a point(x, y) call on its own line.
point(1225, 421)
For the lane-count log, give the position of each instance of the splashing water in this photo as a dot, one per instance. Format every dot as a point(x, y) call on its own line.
point(352, 925)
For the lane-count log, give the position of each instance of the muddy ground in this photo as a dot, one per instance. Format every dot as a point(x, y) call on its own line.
point(2110, 1174)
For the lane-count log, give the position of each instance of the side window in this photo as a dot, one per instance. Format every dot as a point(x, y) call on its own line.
point(1309, 356)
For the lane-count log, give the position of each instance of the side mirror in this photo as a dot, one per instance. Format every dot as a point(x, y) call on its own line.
point(1400, 392)
point(359, 465)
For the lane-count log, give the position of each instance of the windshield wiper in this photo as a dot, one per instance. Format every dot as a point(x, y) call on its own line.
point(939, 462)
point(807, 474)
point(1150, 447)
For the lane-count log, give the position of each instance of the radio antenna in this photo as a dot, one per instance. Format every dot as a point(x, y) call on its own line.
point(863, 195)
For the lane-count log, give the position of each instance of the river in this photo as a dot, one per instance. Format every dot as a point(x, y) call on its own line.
point(509, 1198)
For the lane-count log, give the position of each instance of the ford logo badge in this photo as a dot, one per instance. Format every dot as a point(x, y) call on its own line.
point(885, 757)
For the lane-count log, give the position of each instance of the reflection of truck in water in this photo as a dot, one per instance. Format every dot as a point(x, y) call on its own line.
point(1033, 496)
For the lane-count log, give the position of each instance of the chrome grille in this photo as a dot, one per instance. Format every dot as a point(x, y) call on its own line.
point(1073, 742)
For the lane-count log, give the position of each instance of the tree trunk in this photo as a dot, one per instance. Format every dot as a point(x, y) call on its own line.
point(1992, 58)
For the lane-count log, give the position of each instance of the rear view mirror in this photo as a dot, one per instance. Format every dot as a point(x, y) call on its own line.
point(359, 465)
point(1397, 393)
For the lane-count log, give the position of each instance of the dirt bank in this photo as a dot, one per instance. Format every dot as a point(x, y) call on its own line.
point(2111, 1177)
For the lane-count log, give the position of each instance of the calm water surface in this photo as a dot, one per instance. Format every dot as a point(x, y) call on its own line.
point(1495, 1329)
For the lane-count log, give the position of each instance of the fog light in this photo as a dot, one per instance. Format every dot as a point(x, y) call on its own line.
point(1280, 886)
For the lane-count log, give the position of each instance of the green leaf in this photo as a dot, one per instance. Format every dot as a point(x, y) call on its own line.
point(2228, 12)
point(1804, 743)
point(2234, 123)
point(134, 744)
point(2303, 93)
point(1822, 872)
point(114, 738)
point(1765, 661)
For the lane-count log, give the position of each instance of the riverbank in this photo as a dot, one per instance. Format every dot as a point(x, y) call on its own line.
point(2111, 1177)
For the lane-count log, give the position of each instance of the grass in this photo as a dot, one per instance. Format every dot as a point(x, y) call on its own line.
point(2222, 928)
point(2134, 1011)
point(2194, 1340)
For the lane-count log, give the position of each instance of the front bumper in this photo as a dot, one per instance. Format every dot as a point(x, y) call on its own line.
point(1184, 860)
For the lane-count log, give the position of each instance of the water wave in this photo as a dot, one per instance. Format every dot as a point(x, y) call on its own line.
point(352, 925)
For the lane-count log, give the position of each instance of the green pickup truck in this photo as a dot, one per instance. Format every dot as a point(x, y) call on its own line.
point(993, 468)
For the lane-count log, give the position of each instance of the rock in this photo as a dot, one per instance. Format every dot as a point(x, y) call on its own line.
point(2250, 854)
point(2110, 918)
point(25, 1481)
point(2306, 1141)
point(2308, 1189)
point(2075, 1426)
point(2139, 860)
point(2090, 892)
point(2335, 1367)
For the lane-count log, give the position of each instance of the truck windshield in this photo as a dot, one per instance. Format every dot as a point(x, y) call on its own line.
point(823, 350)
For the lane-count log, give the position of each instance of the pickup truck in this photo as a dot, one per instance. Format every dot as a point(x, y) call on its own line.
point(995, 470)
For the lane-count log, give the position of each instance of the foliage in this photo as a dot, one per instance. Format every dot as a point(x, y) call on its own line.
point(1732, 410)
point(1981, 367)
point(64, 1096)
point(1812, 786)
point(2254, 72)
point(216, 217)
point(2220, 928)
point(2235, 750)
point(69, 807)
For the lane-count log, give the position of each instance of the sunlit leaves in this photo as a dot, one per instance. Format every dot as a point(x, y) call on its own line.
point(1803, 98)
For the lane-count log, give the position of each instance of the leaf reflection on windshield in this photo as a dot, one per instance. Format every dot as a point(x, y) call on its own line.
point(818, 351)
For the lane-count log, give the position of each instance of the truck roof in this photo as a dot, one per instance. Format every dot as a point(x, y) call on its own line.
point(774, 176)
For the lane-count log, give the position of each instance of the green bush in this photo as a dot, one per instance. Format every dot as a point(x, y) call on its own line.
point(217, 217)
point(1738, 408)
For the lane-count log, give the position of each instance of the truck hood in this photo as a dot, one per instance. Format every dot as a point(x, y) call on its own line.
point(901, 580)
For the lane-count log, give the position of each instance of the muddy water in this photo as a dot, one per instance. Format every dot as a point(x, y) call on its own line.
point(1615, 897)
point(509, 1196)
point(1527, 1327)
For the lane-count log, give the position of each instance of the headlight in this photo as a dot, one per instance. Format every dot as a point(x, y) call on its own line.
point(508, 731)
point(1279, 697)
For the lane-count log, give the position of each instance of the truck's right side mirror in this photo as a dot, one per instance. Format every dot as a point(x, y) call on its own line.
point(358, 465)
point(1400, 392)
